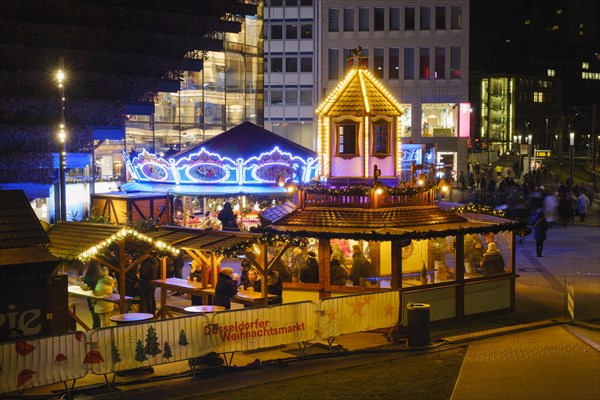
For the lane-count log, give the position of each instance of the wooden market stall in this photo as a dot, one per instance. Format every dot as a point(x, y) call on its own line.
point(429, 254)
point(33, 299)
point(208, 249)
point(105, 244)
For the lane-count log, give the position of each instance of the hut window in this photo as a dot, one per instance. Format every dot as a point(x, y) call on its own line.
point(346, 139)
point(381, 139)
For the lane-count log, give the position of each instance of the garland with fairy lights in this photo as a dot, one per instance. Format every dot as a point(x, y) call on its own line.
point(267, 238)
point(160, 247)
point(389, 237)
point(478, 209)
point(361, 190)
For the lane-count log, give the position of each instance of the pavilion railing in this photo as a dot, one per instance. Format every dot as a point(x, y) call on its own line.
point(372, 200)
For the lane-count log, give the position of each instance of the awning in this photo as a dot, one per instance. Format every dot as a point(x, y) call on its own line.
point(206, 190)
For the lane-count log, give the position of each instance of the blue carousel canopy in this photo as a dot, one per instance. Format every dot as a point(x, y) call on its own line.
point(244, 155)
point(205, 190)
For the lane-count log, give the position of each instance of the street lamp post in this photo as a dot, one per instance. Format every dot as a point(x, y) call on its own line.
point(572, 151)
point(60, 77)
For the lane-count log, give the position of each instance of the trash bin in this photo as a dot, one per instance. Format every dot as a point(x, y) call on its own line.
point(418, 324)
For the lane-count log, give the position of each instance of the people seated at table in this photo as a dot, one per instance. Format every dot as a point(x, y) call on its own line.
point(90, 279)
point(492, 263)
point(228, 218)
point(275, 287)
point(252, 281)
point(104, 288)
point(338, 274)
point(226, 288)
point(310, 273)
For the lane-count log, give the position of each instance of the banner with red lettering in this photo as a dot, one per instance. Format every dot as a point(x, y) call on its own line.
point(260, 327)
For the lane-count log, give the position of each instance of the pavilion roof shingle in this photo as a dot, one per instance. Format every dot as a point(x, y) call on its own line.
point(364, 219)
point(19, 225)
point(349, 98)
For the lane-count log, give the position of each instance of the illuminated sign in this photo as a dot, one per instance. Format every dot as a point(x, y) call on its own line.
point(543, 153)
point(464, 120)
point(210, 168)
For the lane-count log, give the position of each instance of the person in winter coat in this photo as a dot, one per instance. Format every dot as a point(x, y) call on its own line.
point(90, 279)
point(149, 271)
point(583, 204)
point(361, 267)
point(310, 273)
point(104, 288)
point(226, 288)
point(539, 226)
point(228, 218)
point(338, 274)
point(252, 281)
point(275, 287)
point(492, 262)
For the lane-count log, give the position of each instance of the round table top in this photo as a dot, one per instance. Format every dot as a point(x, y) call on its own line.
point(131, 317)
point(204, 309)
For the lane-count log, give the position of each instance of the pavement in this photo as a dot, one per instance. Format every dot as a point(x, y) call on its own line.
point(536, 352)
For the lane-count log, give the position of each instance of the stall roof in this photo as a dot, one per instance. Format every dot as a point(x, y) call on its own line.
point(68, 240)
point(206, 190)
point(204, 240)
point(19, 225)
point(378, 224)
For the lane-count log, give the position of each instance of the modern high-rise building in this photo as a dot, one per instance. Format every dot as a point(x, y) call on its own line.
point(420, 52)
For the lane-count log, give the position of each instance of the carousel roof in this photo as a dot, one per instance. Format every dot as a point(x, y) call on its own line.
point(359, 93)
point(393, 223)
point(203, 190)
point(248, 140)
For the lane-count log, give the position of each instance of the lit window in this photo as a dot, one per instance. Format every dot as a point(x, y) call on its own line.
point(551, 72)
point(559, 11)
point(585, 65)
point(381, 139)
point(527, 22)
point(346, 135)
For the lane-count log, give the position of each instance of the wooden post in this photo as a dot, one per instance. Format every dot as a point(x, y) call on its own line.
point(324, 268)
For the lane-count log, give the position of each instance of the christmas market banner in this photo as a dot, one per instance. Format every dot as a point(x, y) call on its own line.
point(260, 327)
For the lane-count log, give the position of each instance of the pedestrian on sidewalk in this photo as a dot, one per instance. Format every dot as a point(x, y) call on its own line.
point(539, 226)
point(583, 205)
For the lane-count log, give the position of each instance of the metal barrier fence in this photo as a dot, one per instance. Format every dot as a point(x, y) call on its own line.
point(44, 361)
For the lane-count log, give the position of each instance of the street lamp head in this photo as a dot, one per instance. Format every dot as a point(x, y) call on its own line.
point(572, 138)
point(60, 76)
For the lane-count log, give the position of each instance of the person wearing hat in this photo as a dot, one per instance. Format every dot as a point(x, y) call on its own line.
point(226, 288)
point(492, 262)
point(310, 274)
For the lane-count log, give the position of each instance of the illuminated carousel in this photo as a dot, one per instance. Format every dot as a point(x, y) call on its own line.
point(247, 166)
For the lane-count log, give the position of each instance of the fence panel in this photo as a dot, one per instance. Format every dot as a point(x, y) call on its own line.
point(261, 327)
point(149, 343)
point(43, 361)
point(358, 313)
